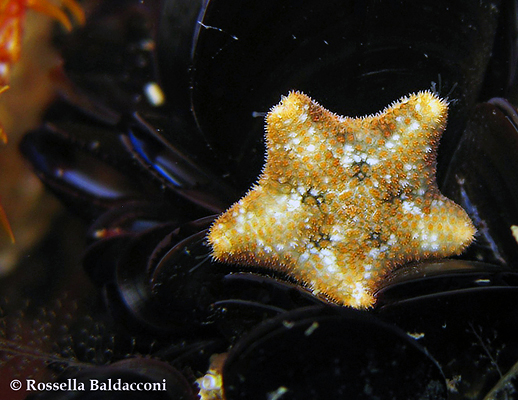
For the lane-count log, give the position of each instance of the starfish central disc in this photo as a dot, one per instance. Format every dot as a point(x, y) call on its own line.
point(342, 201)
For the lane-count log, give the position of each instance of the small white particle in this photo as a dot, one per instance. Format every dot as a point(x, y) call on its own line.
point(312, 328)
point(416, 335)
point(154, 94)
point(281, 390)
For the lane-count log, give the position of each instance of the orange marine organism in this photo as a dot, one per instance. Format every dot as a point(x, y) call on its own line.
point(12, 21)
point(343, 201)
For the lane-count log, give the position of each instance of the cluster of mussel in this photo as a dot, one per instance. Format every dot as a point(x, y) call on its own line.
point(157, 130)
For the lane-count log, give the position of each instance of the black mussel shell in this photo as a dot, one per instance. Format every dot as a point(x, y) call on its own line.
point(109, 64)
point(128, 290)
point(86, 161)
point(132, 218)
point(102, 257)
point(464, 313)
point(483, 178)
point(166, 282)
point(217, 294)
point(176, 170)
point(110, 235)
point(112, 58)
point(324, 353)
point(161, 380)
point(93, 166)
point(438, 278)
point(179, 22)
point(111, 68)
point(76, 172)
point(355, 58)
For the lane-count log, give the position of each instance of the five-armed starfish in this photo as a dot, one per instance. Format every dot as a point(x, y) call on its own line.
point(343, 201)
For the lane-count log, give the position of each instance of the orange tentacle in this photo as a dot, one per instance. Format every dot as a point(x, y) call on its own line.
point(12, 19)
point(76, 10)
point(3, 136)
point(51, 10)
point(56, 12)
point(4, 222)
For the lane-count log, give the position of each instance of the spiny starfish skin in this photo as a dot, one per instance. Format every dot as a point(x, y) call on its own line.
point(343, 201)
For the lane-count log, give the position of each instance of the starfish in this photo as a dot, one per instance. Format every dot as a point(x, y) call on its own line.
point(343, 201)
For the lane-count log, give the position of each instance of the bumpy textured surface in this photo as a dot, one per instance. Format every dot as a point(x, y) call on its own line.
point(342, 201)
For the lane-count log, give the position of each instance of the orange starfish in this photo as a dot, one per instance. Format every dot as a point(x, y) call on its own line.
point(342, 201)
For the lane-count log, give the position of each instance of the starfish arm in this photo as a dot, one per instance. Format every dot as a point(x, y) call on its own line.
point(443, 231)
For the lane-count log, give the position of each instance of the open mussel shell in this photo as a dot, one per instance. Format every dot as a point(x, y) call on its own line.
point(464, 313)
point(163, 382)
point(483, 178)
point(353, 58)
point(330, 353)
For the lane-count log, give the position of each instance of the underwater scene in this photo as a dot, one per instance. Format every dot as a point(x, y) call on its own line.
point(227, 199)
